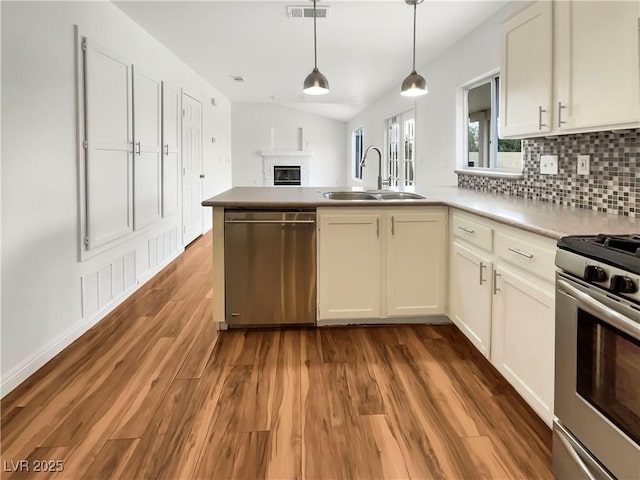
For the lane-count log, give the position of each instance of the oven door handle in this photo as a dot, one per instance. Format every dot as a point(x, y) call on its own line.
point(579, 461)
point(602, 311)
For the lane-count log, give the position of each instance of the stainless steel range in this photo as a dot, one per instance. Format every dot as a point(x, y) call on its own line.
point(596, 431)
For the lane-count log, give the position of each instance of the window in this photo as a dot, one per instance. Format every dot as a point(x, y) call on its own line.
point(483, 148)
point(401, 139)
point(357, 141)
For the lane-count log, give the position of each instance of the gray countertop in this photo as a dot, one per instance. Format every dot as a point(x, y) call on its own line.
point(543, 218)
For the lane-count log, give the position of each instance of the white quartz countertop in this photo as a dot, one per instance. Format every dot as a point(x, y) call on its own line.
point(543, 218)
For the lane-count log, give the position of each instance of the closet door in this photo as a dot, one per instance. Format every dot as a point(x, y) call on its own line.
point(147, 164)
point(108, 146)
point(170, 150)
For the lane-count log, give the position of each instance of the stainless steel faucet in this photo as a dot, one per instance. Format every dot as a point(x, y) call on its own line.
point(364, 159)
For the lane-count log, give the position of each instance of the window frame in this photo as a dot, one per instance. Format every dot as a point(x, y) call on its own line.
point(356, 167)
point(494, 79)
point(400, 120)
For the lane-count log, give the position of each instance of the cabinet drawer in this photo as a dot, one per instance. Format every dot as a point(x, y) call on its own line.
point(473, 232)
point(528, 255)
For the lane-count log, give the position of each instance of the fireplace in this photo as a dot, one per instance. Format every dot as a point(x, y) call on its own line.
point(286, 175)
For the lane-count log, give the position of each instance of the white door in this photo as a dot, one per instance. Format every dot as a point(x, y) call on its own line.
point(401, 151)
point(191, 169)
point(471, 284)
point(522, 341)
point(108, 164)
point(525, 76)
point(596, 65)
point(416, 263)
point(171, 114)
point(349, 266)
point(147, 162)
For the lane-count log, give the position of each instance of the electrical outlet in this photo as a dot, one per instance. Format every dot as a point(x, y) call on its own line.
point(549, 164)
point(583, 164)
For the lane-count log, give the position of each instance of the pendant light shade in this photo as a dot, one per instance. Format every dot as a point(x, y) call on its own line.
point(315, 83)
point(415, 84)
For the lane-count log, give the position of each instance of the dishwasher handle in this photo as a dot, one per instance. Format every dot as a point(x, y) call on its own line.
point(272, 221)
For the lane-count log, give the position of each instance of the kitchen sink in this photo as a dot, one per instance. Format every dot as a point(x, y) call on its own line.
point(349, 196)
point(373, 195)
point(399, 196)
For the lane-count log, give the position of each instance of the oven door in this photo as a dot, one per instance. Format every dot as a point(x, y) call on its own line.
point(597, 373)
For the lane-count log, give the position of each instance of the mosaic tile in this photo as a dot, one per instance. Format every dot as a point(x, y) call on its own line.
point(612, 186)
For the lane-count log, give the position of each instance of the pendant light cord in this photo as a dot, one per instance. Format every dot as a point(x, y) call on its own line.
point(315, 47)
point(414, 34)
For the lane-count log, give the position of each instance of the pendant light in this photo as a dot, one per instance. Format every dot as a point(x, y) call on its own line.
point(415, 84)
point(315, 83)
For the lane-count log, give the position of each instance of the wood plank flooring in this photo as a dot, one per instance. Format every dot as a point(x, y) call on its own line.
point(144, 394)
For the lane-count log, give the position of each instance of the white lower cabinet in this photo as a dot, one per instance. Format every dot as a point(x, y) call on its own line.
point(522, 340)
point(381, 263)
point(471, 282)
point(349, 266)
point(502, 299)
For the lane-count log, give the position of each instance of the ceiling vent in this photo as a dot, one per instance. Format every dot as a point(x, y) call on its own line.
point(303, 11)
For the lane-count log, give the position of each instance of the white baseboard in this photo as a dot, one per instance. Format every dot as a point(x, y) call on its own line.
point(30, 365)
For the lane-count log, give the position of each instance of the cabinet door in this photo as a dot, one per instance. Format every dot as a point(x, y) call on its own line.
point(471, 285)
point(108, 167)
point(147, 171)
point(349, 266)
point(596, 64)
point(525, 91)
point(171, 115)
point(416, 263)
point(522, 340)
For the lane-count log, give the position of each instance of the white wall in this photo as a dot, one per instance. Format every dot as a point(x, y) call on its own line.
point(41, 273)
point(474, 55)
point(251, 125)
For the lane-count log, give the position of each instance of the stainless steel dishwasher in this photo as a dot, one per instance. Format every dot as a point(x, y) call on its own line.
point(270, 267)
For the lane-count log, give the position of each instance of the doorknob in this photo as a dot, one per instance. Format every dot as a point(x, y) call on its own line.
point(202, 175)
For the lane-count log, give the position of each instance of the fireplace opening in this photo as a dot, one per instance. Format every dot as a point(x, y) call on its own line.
point(286, 175)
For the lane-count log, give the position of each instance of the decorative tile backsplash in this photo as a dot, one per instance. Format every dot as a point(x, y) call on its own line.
point(612, 185)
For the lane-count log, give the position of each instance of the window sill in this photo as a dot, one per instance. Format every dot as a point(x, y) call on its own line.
point(489, 173)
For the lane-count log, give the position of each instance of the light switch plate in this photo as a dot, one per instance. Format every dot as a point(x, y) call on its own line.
point(583, 165)
point(549, 164)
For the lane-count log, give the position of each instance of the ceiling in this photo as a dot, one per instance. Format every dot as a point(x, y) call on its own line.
point(364, 47)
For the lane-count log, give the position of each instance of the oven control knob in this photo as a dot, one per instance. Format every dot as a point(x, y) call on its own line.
point(593, 273)
point(622, 284)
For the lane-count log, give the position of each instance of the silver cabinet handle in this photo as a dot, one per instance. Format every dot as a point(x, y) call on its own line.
point(166, 149)
point(540, 112)
point(465, 229)
point(138, 148)
point(495, 282)
point(393, 225)
point(377, 227)
point(520, 252)
point(202, 175)
point(482, 267)
point(560, 108)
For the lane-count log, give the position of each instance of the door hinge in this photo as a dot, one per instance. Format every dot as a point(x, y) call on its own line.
point(86, 241)
point(85, 144)
point(184, 229)
point(184, 112)
point(184, 171)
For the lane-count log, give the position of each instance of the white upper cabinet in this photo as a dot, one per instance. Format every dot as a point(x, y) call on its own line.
point(596, 64)
point(416, 263)
point(147, 170)
point(108, 133)
point(525, 90)
point(570, 66)
point(171, 115)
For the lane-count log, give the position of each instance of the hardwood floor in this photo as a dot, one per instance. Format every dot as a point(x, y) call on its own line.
point(144, 394)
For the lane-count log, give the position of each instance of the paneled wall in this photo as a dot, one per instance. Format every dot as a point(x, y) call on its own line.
point(613, 184)
point(49, 296)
